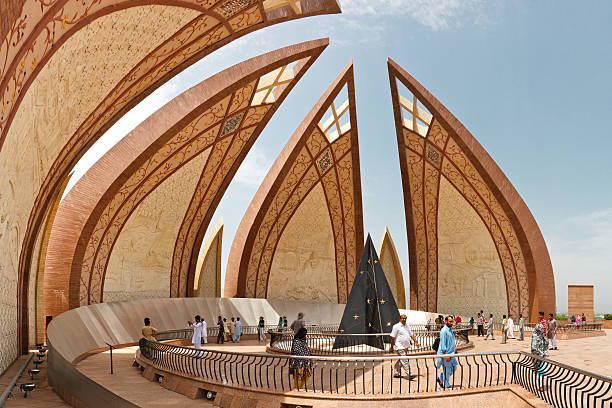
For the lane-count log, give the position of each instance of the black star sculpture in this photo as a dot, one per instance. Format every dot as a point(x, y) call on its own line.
point(371, 307)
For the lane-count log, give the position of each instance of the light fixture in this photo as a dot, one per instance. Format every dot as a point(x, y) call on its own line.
point(25, 388)
point(33, 372)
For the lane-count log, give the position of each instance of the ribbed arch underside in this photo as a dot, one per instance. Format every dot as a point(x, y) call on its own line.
point(163, 45)
point(218, 117)
point(321, 157)
point(439, 158)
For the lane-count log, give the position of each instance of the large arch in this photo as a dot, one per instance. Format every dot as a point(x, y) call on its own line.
point(218, 120)
point(34, 32)
point(436, 150)
point(315, 180)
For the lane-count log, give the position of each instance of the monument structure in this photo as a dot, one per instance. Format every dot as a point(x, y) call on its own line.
point(472, 241)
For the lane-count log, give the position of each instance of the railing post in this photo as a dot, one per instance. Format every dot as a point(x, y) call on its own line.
point(111, 347)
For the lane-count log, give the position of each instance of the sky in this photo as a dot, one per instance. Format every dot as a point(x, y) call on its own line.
point(532, 81)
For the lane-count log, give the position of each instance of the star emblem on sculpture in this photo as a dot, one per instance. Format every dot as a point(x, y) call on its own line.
point(382, 301)
point(388, 324)
point(369, 324)
point(356, 317)
point(369, 301)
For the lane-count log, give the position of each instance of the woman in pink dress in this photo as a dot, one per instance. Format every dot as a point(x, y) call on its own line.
point(578, 320)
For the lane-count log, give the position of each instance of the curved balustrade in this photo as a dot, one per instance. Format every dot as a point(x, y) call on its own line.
point(324, 343)
point(558, 384)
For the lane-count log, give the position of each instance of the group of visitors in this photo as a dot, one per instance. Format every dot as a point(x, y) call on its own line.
point(508, 326)
point(578, 320)
point(231, 330)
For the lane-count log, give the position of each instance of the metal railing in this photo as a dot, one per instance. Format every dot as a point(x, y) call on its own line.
point(343, 344)
point(213, 331)
point(558, 384)
point(561, 327)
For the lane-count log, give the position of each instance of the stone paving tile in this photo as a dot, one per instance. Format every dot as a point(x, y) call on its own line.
point(589, 353)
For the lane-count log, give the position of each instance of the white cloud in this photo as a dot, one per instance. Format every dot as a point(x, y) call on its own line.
point(435, 14)
point(254, 168)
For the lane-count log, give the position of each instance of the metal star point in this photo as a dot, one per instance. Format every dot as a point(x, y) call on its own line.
point(382, 301)
point(356, 317)
point(388, 324)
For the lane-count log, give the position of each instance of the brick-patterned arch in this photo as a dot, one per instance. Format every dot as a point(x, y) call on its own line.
point(217, 116)
point(435, 144)
point(41, 28)
point(310, 158)
point(389, 260)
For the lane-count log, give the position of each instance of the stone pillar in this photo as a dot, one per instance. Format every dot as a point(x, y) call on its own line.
point(580, 300)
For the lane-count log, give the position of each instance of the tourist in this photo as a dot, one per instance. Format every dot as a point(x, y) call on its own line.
point(196, 339)
point(504, 330)
point(300, 368)
point(490, 328)
point(552, 332)
point(298, 323)
point(280, 323)
point(521, 327)
point(261, 329)
point(428, 324)
point(458, 320)
point(204, 330)
point(447, 346)
point(226, 331)
point(221, 328)
point(480, 319)
point(285, 322)
point(573, 320)
point(472, 323)
point(539, 347)
point(438, 321)
point(578, 321)
point(401, 334)
point(237, 330)
point(543, 322)
point(583, 319)
point(511, 327)
point(148, 332)
point(232, 325)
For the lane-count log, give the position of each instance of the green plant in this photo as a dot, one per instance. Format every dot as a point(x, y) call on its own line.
point(561, 317)
point(608, 316)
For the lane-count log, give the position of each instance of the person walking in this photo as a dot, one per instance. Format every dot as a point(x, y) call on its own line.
point(578, 321)
point(298, 323)
point(521, 327)
point(583, 318)
point(148, 332)
point(447, 346)
point(221, 327)
point(401, 334)
point(196, 339)
point(480, 319)
point(511, 327)
point(472, 321)
point(261, 326)
point(301, 369)
point(543, 322)
point(539, 347)
point(232, 325)
point(490, 328)
point(279, 326)
point(237, 330)
point(285, 322)
point(552, 332)
point(504, 330)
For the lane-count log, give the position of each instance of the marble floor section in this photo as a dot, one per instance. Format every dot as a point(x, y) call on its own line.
point(128, 382)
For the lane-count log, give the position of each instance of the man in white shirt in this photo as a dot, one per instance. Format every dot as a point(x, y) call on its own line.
point(204, 331)
point(197, 332)
point(400, 340)
point(511, 327)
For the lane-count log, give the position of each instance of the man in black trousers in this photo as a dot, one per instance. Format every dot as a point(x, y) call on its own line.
point(221, 330)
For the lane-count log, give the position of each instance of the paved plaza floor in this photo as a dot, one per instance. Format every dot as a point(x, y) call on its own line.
point(591, 354)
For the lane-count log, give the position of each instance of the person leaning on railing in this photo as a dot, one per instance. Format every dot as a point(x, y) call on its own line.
point(148, 332)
